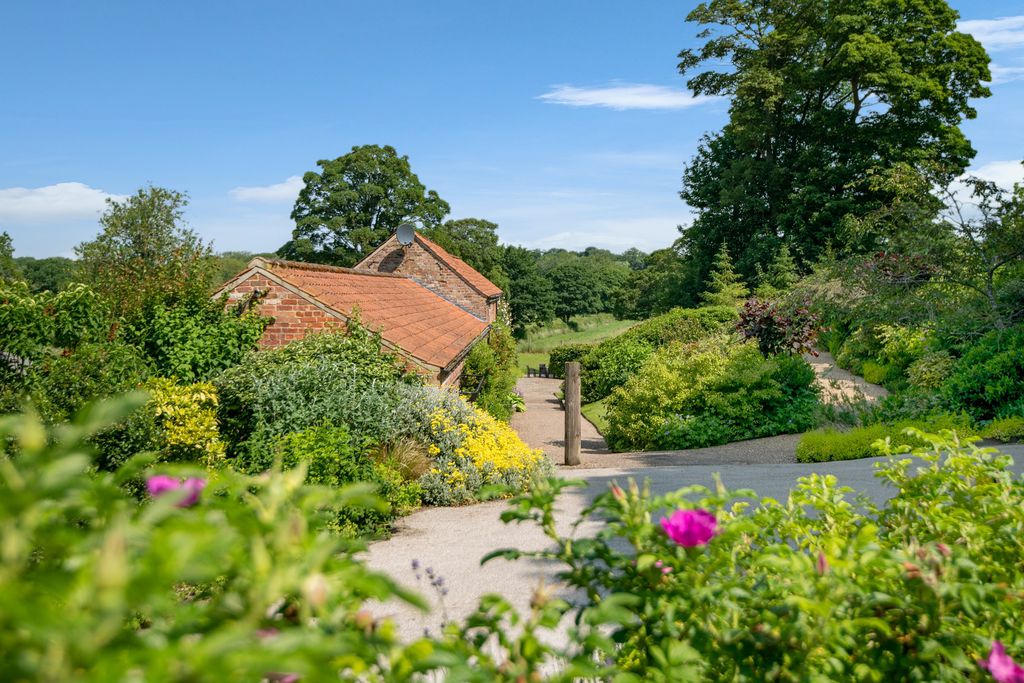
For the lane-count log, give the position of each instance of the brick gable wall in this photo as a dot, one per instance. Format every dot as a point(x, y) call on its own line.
point(416, 262)
point(294, 317)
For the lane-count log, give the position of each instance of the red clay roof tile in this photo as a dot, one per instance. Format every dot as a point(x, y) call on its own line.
point(405, 313)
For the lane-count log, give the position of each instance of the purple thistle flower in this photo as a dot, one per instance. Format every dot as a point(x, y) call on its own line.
point(690, 528)
point(1001, 666)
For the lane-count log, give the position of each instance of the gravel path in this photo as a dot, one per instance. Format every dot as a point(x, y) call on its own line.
point(841, 386)
point(543, 424)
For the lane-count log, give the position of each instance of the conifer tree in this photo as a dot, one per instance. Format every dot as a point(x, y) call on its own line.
point(724, 286)
point(780, 276)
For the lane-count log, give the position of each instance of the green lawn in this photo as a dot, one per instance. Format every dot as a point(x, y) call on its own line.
point(597, 412)
point(590, 329)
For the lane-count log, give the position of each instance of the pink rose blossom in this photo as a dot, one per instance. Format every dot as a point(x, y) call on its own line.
point(161, 483)
point(690, 528)
point(194, 486)
point(1001, 666)
point(822, 564)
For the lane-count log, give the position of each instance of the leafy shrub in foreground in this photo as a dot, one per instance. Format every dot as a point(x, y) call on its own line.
point(828, 445)
point(709, 393)
point(195, 338)
point(63, 384)
point(566, 353)
point(331, 456)
point(244, 585)
point(814, 588)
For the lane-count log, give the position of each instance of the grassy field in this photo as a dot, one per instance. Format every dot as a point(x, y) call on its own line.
point(589, 329)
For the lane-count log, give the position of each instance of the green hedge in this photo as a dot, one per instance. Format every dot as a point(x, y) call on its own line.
point(829, 445)
point(612, 362)
point(566, 353)
point(988, 382)
point(711, 393)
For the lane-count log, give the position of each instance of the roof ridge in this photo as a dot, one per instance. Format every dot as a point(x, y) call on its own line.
point(319, 267)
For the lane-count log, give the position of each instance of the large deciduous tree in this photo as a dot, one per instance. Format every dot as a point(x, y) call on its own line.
point(823, 94)
point(145, 252)
point(577, 289)
point(355, 202)
point(529, 295)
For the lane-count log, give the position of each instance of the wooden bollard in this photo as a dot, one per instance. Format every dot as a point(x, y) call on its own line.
point(573, 418)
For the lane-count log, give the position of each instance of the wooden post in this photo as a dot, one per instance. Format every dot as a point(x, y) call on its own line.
point(573, 418)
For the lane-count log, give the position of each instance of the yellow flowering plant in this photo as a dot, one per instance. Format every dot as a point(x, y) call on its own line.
point(471, 450)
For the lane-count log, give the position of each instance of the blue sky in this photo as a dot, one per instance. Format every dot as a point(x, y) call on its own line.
point(564, 122)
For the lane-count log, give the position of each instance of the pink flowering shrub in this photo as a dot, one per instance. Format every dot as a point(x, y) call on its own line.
point(715, 585)
point(690, 528)
point(1001, 666)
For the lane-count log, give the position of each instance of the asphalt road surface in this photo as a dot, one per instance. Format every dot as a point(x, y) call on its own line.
point(451, 541)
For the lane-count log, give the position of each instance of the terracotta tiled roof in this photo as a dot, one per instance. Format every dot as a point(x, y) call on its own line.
point(464, 270)
point(406, 314)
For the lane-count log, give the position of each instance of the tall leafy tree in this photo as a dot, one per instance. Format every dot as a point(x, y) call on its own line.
point(577, 289)
point(145, 252)
point(823, 94)
point(529, 294)
point(663, 283)
point(355, 202)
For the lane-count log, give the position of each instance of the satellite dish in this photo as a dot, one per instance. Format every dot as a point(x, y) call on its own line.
point(406, 234)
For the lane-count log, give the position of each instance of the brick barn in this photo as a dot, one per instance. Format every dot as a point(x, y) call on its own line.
point(428, 306)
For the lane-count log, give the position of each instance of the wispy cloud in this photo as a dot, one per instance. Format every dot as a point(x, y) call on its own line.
point(623, 96)
point(996, 34)
point(1005, 74)
point(52, 203)
point(1002, 173)
point(287, 190)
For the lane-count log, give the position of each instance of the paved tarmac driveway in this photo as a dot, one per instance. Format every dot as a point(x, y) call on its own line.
point(451, 541)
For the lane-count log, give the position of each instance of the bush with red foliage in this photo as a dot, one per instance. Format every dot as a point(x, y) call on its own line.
point(777, 330)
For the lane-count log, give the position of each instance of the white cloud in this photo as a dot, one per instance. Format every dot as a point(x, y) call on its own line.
point(1002, 173)
point(278, 192)
point(996, 34)
point(1005, 74)
point(52, 203)
point(624, 96)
